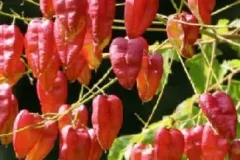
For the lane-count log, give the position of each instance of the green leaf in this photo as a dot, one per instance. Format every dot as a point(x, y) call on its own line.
point(236, 48)
point(167, 55)
point(199, 69)
point(119, 147)
point(234, 90)
point(184, 110)
point(235, 23)
point(222, 30)
point(231, 64)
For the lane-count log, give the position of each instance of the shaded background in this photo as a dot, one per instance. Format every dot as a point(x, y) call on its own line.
point(176, 90)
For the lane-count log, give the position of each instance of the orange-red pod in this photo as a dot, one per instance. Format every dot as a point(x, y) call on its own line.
point(136, 151)
point(202, 9)
point(68, 46)
point(193, 141)
point(74, 70)
point(41, 51)
point(9, 110)
point(126, 59)
point(182, 36)
point(101, 15)
point(51, 100)
point(213, 146)
point(68, 140)
point(168, 144)
point(91, 53)
point(46, 7)
point(138, 16)
point(234, 152)
point(71, 15)
point(24, 141)
point(65, 119)
point(11, 48)
point(221, 112)
point(45, 143)
point(85, 75)
point(107, 118)
point(148, 154)
point(83, 143)
point(80, 116)
point(96, 150)
point(74, 144)
point(150, 75)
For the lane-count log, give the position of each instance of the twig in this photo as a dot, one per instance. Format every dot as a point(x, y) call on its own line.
point(149, 29)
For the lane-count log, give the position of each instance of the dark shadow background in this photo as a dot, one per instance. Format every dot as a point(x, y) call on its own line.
point(176, 91)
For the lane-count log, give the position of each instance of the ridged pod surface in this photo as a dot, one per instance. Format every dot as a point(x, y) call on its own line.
point(107, 118)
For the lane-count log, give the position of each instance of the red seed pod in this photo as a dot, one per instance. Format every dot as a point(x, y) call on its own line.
point(85, 75)
point(68, 140)
point(168, 144)
point(74, 144)
point(83, 144)
point(45, 143)
point(74, 70)
point(137, 150)
point(234, 153)
point(126, 59)
point(145, 45)
point(80, 116)
point(68, 47)
point(96, 150)
point(24, 141)
point(11, 48)
point(71, 15)
point(66, 119)
point(139, 15)
point(9, 110)
point(150, 75)
point(193, 141)
point(5, 103)
point(148, 154)
point(221, 112)
point(101, 16)
point(51, 100)
point(213, 145)
point(42, 57)
point(202, 9)
point(46, 7)
point(182, 36)
point(107, 118)
point(91, 53)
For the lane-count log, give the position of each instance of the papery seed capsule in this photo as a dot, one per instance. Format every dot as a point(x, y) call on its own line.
point(107, 118)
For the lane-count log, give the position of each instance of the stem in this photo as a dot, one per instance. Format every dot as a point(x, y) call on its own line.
point(98, 83)
point(174, 5)
point(24, 128)
point(225, 8)
point(122, 21)
point(181, 6)
point(160, 16)
point(25, 20)
point(186, 71)
point(221, 37)
point(159, 96)
point(120, 4)
point(149, 29)
point(32, 2)
point(208, 63)
point(140, 119)
point(209, 77)
point(224, 79)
